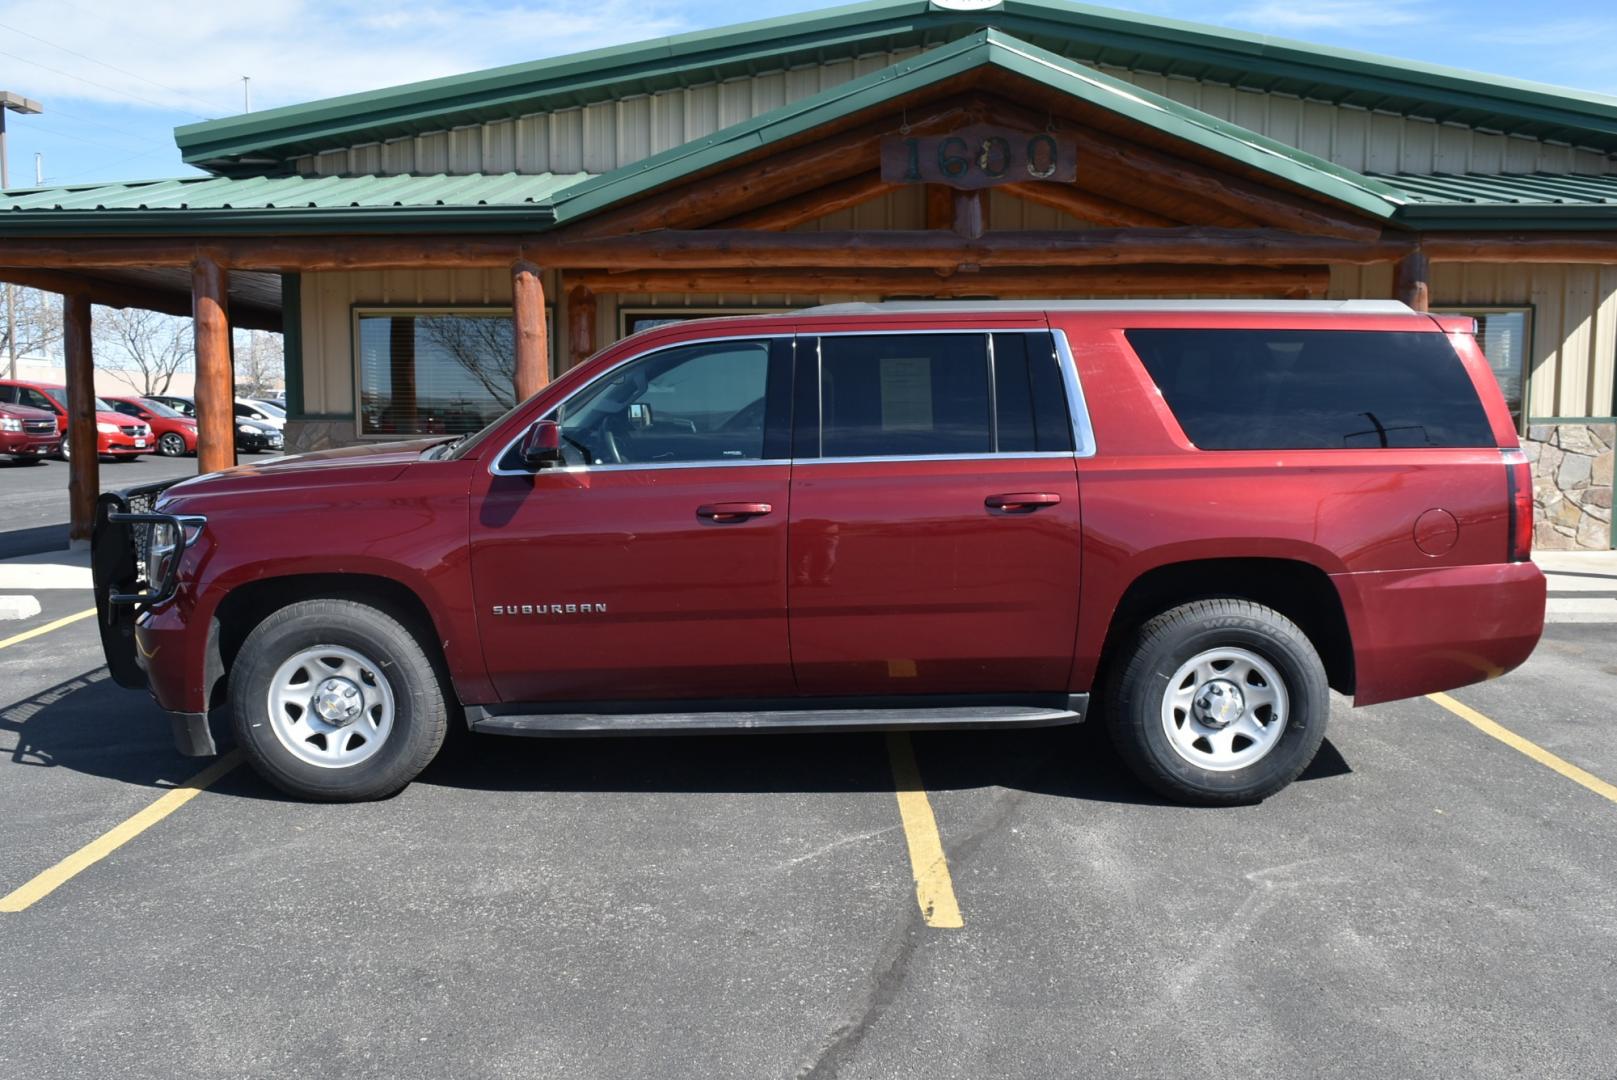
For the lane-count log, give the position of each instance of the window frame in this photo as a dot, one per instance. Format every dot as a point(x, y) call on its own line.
point(1531, 312)
point(356, 374)
point(1083, 437)
point(1083, 431)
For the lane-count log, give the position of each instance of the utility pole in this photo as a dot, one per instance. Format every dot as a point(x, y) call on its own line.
point(246, 93)
point(16, 103)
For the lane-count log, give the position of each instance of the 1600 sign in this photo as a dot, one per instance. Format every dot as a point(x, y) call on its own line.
point(979, 156)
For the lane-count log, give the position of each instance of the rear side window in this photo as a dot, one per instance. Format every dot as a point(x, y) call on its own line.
point(1314, 389)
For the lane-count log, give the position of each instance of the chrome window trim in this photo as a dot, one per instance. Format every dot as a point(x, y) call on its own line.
point(1077, 407)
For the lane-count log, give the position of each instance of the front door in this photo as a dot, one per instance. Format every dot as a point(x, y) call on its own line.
point(651, 565)
point(935, 520)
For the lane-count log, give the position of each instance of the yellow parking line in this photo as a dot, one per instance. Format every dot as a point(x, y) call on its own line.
point(108, 842)
point(26, 635)
point(1528, 747)
point(934, 890)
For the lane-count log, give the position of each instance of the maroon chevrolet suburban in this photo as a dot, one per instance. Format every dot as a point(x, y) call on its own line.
point(1204, 517)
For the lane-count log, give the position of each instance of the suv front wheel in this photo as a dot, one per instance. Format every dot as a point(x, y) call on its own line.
point(335, 700)
point(1219, 702)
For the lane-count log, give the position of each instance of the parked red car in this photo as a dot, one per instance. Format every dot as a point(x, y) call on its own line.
point(117, 435)
point(867, 516)
point(175, 433)
point(27, 434)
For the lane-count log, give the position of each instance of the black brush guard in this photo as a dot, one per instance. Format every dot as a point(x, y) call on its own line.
point(120, 549)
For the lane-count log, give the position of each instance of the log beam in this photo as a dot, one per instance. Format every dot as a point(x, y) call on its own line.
point(1412, 281)
point(215, 372)
point(813, 205)
point(581, 311)
point(1083, 281)
point(944, 250)
point(1087, 206)
point(84, 470)
point(528, 316)
point(564, 249)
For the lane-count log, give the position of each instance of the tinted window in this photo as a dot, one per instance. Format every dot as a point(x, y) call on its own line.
point(704, 402)
point(126, 408)
point(904, 394)
point(8, 395)
point(33, 397)
point(1030, 402)
point(1313, 389)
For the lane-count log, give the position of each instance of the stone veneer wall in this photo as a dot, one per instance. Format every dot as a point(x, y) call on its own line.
point(1572, 470)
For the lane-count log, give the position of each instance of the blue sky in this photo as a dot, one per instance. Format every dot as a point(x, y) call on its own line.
point(116, 77)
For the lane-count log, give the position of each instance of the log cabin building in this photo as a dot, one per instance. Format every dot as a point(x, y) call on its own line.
point(436, 251)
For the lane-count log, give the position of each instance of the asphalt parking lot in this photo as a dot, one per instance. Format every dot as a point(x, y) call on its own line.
point(1428, 900)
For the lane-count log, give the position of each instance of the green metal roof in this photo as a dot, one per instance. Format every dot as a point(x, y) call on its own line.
point(1077, 32)
point(212, 204)
point(984, 48)
point(1505, 200)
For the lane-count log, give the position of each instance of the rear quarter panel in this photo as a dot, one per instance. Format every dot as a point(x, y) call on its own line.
point(1150, 498)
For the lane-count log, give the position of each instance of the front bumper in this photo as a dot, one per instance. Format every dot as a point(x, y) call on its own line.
point(23, 444)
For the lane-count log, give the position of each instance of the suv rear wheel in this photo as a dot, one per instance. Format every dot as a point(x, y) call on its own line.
point(1219, 702)
point(336, 700)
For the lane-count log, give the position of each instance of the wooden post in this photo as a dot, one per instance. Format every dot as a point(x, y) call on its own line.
point(84, 473)
point(971, 214)
point(528, 315)
point(580, 324)
point(215, 375)
point(1411, 281)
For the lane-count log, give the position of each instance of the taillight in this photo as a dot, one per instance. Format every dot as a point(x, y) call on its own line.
point(1519, 482)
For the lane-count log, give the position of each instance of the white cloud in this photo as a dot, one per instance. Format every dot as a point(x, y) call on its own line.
point(189, 57)
point(1347, 16)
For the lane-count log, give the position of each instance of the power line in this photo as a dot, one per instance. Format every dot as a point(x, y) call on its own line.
point(111, 67)
point(102, 86)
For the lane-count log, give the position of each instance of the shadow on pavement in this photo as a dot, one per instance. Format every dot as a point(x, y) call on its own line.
point(89, 724)
point(34, 541)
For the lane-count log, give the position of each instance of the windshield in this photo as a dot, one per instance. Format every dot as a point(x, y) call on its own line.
point(273, 409)
point(157, 408)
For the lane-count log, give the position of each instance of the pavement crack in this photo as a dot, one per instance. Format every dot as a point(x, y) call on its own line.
point(844, 1041)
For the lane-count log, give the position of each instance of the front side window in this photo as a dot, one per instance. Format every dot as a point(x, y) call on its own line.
point(1314, 389)
point(127, 408)
point(434, 373)
point(1504, 336)
point(704, 402)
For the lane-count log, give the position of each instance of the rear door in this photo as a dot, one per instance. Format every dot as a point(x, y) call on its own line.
point(934, 514)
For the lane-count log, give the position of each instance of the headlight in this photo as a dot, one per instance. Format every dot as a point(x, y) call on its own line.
point(165, 541)
point(107, 429)
point(8, 423)
point(244, 429)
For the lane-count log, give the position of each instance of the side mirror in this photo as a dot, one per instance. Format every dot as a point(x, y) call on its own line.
point(541, 446)
point(639, 415)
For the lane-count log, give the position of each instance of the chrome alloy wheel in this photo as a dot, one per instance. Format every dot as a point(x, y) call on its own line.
point(330, 706)
point(1225, 709)
point(171, 444)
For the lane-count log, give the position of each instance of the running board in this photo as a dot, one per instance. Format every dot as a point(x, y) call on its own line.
point(616, 718)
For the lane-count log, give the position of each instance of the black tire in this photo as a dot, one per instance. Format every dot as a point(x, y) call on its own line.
point(419, 719)
point(171, 444)
point(1137, 695)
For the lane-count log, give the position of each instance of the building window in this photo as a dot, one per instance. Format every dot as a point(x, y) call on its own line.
point(435, 372)
point(634, 320)
point(1505, 335)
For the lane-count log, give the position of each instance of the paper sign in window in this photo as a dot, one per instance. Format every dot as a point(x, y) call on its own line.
point(906, 393)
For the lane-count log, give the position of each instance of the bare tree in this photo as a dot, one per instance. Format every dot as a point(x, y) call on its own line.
point(484, 347)
point(39, 322)
point(147, 346)
point(260, 363)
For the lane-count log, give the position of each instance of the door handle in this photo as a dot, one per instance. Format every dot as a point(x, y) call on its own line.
point(1021, 502)
point(732, 511)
